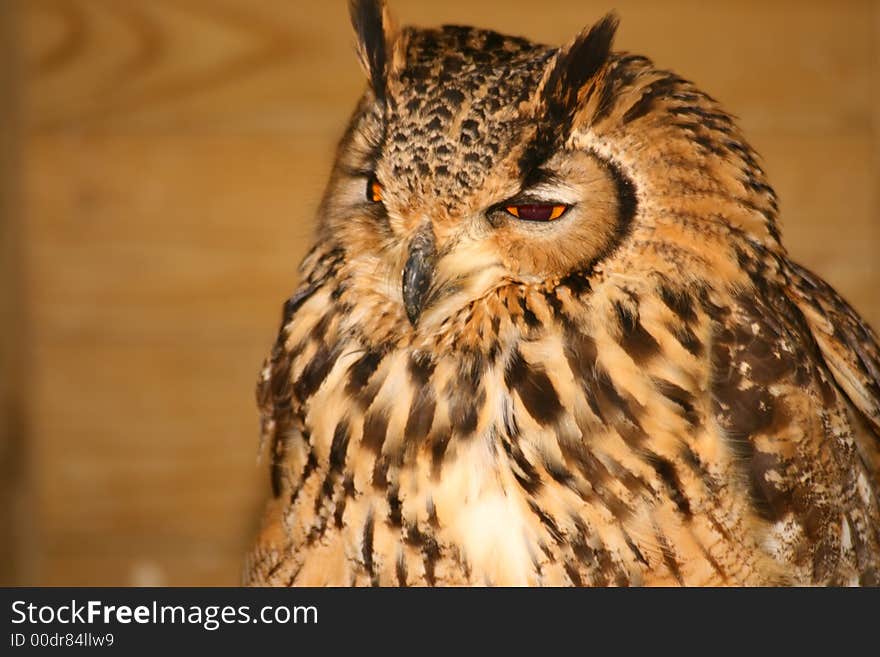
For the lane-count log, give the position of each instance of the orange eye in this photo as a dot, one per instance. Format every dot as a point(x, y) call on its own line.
point(537, 211)
point(374, 190)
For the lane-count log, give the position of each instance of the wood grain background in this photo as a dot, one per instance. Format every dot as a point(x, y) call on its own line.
point(160, 162)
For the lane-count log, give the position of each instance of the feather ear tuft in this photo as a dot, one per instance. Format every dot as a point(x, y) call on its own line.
point(558, 97)
point(575, 66)
point(375, 34)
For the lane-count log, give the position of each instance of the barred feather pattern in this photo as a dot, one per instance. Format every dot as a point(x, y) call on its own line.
point(597, 432)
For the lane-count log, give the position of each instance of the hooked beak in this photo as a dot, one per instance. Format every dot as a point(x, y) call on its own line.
point(418, 273)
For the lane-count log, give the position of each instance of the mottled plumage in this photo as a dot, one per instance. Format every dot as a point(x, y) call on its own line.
point(643, 391)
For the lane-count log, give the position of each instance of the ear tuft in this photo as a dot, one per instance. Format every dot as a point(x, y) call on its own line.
point(374, 32)
point(575, 66)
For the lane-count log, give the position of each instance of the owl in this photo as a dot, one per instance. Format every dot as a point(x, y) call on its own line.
point(548, 335)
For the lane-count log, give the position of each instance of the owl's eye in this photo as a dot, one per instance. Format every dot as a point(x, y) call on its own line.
point(374, 190)
point(537, 211)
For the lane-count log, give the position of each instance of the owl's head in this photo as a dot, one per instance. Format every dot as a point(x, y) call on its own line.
point(477, 160)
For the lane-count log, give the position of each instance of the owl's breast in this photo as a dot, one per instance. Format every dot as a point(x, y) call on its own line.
point(446, 468)
point(547, 441)
point(480, 461)
point(409, 467)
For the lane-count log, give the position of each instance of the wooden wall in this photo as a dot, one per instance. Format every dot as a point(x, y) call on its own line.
point(15, 515)
point(172, 155)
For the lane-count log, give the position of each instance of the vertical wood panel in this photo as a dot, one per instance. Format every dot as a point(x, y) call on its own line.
point(15, 516)
point(174, 155)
